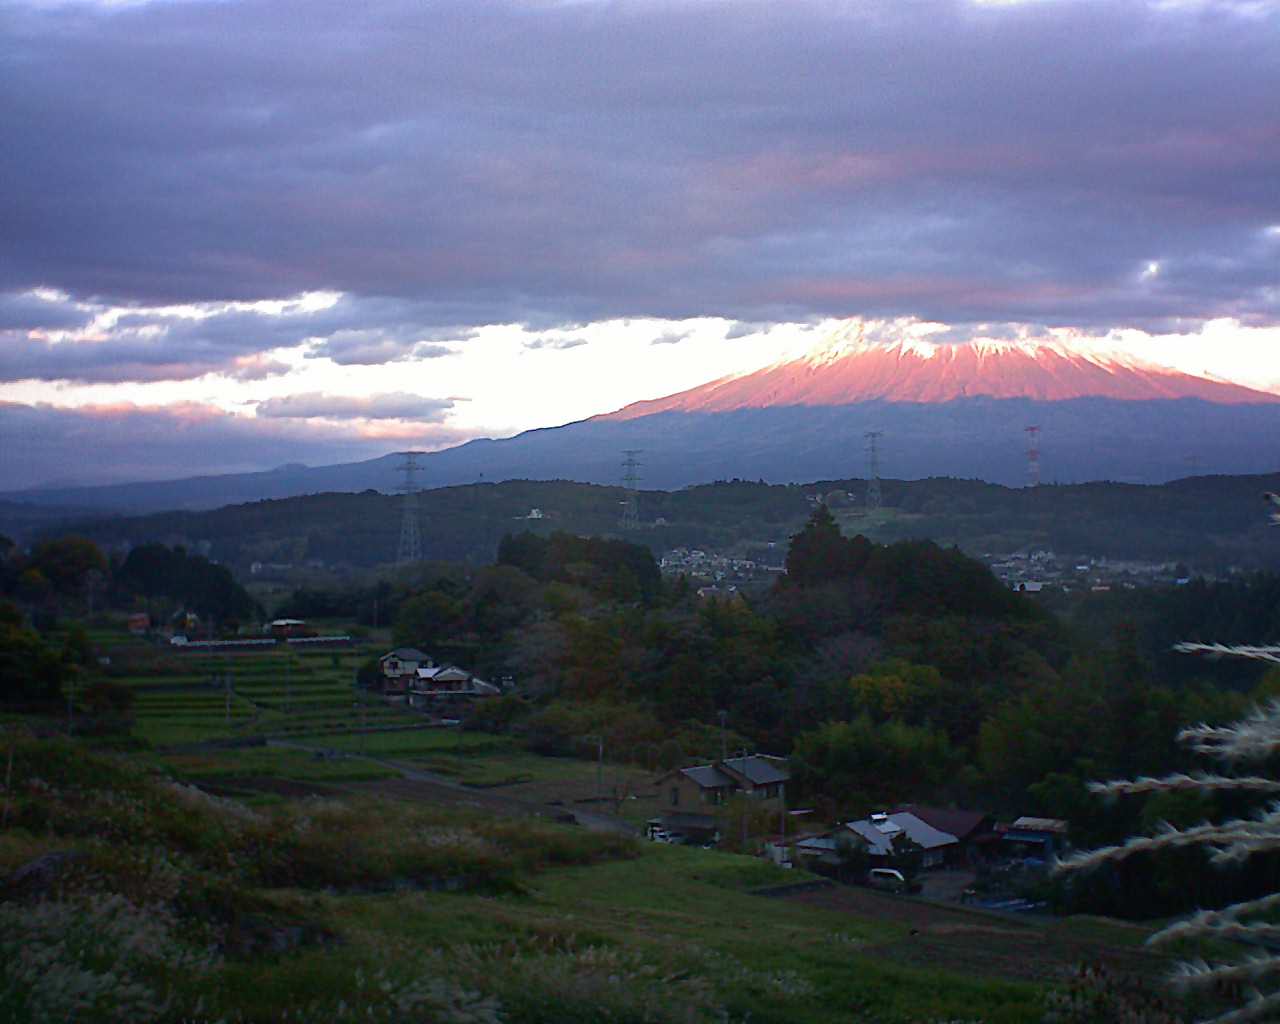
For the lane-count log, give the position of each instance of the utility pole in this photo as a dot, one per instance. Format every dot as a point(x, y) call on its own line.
point(723, 716)
point(599, 741)
point(71, 704)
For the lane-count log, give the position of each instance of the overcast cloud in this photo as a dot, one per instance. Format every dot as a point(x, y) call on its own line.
point(434, 168)
point(950, 160)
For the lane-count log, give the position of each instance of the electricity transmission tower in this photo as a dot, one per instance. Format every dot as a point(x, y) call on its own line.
point(410, 539)
point(1033, 456)
point(630, 480)
point(873, 469)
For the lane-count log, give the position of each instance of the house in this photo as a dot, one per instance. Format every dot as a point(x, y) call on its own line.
point(758, 776)
point(876, 835)
point(282, 628)
point(442, 688)
point(880, 830)
point(400, 671)
point(974, 831)
point(403, 663)
point(692, 797)
point(139, 623)
point(1042, 838)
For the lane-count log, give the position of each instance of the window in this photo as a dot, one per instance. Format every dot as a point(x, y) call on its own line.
point(675, 796)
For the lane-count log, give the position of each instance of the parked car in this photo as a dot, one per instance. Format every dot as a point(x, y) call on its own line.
point(891, 880)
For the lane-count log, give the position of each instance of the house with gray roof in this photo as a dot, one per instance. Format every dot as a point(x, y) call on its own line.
point(876, 835)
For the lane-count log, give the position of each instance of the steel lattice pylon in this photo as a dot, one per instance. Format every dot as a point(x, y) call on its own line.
point(873, 468)
point(410, 549)
point(630, 480)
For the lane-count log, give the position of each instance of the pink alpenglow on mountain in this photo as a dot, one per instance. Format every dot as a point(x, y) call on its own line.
point(846, 370)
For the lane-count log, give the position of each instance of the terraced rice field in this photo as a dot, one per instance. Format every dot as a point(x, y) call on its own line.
point(198, 697)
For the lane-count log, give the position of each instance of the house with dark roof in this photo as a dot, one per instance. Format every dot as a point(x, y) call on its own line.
point(974, 831)
point(400, 670)
point(691, 797)
point(756, 775)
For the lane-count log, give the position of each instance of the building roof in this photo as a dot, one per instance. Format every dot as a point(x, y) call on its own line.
point(405, 654)
point(1055, 825)
point(960, 824)
point(708, 776)
point(758, 769)
point(880, 830)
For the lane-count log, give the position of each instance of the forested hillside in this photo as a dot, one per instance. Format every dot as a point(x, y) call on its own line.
point(1208, 523)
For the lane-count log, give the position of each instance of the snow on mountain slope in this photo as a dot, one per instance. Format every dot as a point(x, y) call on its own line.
point(846, 369)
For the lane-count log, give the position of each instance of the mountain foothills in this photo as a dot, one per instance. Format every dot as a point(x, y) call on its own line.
point(1210, 524)
point(942, 410)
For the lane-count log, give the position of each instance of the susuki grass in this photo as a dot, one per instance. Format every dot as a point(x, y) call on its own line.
point(182, 906)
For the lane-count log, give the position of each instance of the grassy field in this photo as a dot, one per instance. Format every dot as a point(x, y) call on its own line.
point(547, 923)
point(373, 910)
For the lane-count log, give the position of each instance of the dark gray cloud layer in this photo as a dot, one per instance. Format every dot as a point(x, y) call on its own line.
point(150, 345)
point(462, 163)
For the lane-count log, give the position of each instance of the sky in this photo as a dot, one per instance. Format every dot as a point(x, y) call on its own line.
point(240, 234)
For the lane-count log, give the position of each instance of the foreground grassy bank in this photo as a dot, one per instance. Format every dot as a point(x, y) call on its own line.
point(145, 898)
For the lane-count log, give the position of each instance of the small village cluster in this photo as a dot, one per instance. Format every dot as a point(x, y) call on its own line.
point(695, 800)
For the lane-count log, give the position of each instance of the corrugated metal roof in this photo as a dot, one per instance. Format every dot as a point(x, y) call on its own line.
point(918, 831)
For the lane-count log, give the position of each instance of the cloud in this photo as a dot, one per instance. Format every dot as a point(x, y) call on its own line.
point(513, 163)
point(670, 337)
point(37, 310)
point(746, 328)
point(392, 406)
point(55, 338)
point(372, 348)
point(124, 442)
point(559, 343)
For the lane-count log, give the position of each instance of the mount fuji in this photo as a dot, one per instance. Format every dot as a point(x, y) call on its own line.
point(957, 410)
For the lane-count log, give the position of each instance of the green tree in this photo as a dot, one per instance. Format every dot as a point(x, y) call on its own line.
point(862, 766)
point(65, 561)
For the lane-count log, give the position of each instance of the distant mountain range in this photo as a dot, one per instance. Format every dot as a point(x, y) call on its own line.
point(958, 410)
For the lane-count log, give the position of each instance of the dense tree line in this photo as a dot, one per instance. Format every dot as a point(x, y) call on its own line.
point(889, 672)
point(1209, 523)
point(47, 593)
